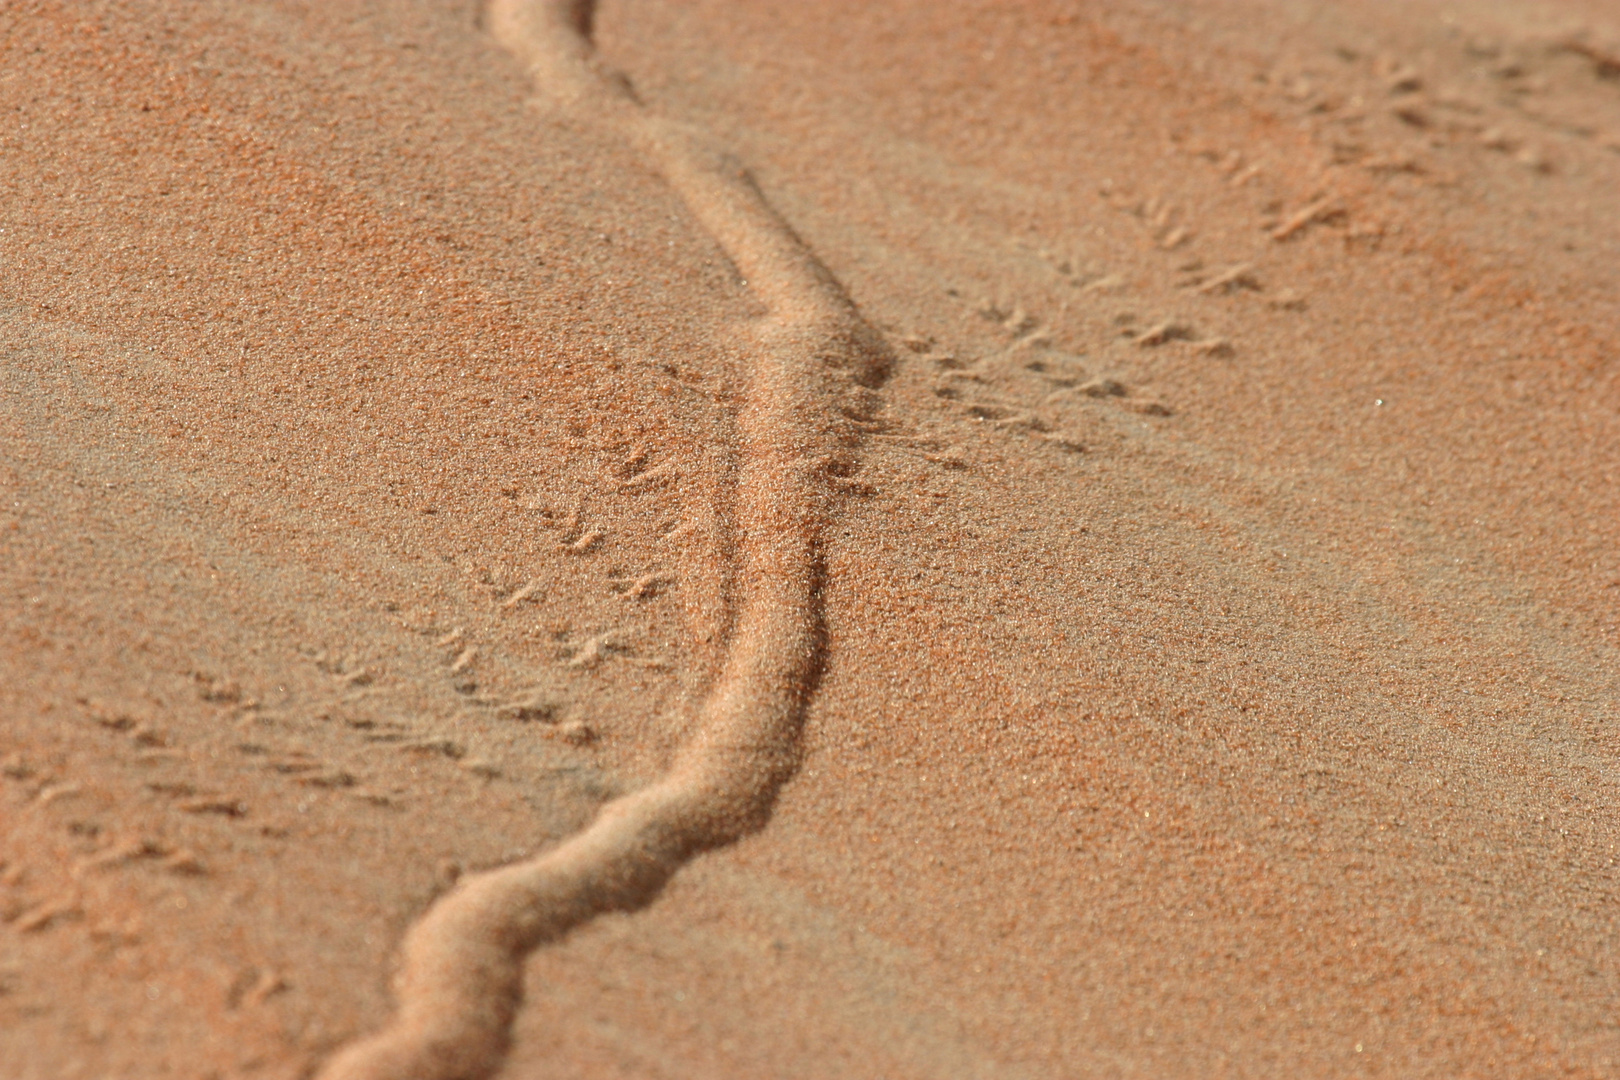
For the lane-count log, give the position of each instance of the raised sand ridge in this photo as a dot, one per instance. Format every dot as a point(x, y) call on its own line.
point(461, 975)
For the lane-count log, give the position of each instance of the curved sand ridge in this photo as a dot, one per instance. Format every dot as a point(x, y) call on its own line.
point(461, 977)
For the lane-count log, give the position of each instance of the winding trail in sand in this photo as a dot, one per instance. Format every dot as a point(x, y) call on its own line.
point(461, 976)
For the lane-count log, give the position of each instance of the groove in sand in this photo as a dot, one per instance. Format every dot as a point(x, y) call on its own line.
point(461, 976)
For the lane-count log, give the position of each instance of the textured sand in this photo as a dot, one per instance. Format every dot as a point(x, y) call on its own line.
point(1219, 600)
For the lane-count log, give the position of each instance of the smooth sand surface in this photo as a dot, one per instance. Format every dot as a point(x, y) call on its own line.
point(1207, 664)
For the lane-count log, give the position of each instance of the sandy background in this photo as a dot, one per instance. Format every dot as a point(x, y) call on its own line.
point(1223, 620)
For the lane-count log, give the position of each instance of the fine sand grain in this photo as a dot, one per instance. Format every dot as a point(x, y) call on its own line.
point(721, 539)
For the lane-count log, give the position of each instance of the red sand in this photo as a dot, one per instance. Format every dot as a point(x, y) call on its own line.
point(1256, 720)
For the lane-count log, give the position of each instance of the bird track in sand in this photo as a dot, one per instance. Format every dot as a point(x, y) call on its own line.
point(461, 976)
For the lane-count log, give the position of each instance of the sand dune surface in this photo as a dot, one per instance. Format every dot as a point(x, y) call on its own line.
point(651, 539)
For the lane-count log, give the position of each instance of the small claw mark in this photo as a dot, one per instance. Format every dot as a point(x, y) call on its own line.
point(483, 769)
point(645, 587)
point(445, 747)
point(1321, 212)
point(585, 544)
point(224, 807)
point(1101, 388)
point(539, 706)
point(575, 733)
point(335, 778)
point(118, 854)
point(184, 861)
point(1163, 333)
point(1148, 407)
point(218, 691)
point(595, 650)
point(661, 474)
point(1229, 281)
point(681, 532)
point(44, 915)
point(1177, 236)
point(1106, 284)
point(52, 792)
point(635, 464)
point(531, 591)
point(255, 989)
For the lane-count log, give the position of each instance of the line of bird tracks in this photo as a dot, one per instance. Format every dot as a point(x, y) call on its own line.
point(814, 363)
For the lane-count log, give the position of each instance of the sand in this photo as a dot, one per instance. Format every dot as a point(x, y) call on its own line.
point(1079, 536)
